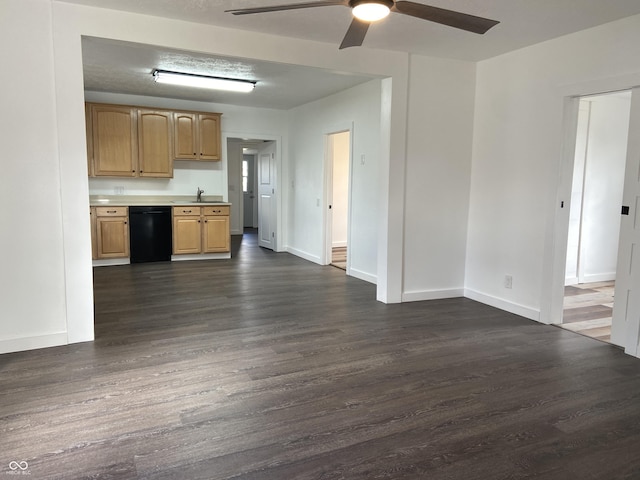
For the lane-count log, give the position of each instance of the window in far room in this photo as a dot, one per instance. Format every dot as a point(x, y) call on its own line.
point(245, 176)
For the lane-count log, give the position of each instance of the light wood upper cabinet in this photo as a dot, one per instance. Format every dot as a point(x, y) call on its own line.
point(126, 141)
point(209, 130)
point(114, 140)
point(185, 136)
point(155, 152)
point(197, 136)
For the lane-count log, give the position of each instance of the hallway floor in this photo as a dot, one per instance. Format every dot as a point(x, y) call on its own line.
point(588, 308)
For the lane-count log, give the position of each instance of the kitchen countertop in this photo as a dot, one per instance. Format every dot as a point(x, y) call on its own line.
point(153, 200)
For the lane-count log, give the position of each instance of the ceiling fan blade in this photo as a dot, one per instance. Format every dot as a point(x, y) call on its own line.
point(291, 6)
point(355, 35)
point(463, 21)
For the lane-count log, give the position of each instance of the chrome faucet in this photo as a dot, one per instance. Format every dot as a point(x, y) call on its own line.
point(199, 195)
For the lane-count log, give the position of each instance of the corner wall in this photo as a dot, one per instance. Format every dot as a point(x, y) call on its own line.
point(32, 280)
point(358, 108)
point(519, 176)
point(439, 142)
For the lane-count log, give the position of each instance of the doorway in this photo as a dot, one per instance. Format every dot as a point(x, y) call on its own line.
point(253, 192)
point(338, 166)
point(594, 220)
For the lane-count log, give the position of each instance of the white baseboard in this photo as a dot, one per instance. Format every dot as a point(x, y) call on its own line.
point(600, 277)
point(21, 344)
point(201, 256)
point(303, 254)
point(593, 278)
point(106, 262)
point(367, 277)
point(522, 310)
point(421, 295)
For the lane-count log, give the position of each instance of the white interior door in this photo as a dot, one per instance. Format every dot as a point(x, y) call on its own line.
point(625, 328)
point(267, 196)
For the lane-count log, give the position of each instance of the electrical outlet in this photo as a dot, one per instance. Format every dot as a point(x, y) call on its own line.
point(119, 190)
point(508, 281)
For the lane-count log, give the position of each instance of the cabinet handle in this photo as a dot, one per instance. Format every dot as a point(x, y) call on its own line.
point(133, 171)
point(186, 211)
point(206, 221)
point(112, 211)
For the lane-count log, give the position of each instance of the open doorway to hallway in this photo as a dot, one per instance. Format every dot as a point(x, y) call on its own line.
point(338, 160)
point(253, 173)
point(594, 221)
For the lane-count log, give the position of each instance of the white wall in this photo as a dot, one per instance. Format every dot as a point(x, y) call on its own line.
point(308, 125)
point(32, 280)
point(599, 176)
point(437, 179)
point(518, 173)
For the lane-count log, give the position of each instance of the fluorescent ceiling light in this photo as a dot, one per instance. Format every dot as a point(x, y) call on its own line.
point(203, 81)
point(371, 11)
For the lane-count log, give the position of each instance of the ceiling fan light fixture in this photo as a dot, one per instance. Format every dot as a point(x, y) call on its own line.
point(371, 10)
point(203, 81)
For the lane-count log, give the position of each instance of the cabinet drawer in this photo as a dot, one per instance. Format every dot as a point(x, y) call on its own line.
point(111, 211)
point(186, 211)
point(221, 210)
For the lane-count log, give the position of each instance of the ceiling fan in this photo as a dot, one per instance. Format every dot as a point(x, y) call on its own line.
point(367, 11)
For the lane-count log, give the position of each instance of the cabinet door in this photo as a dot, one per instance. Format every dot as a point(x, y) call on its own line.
point(216, 234)
point(209, 136)
point(187, 234)
point(115, 148)
point(88, 126)
point(185, 132)
point(155, 157)
point(94, 244)
point(112, 235)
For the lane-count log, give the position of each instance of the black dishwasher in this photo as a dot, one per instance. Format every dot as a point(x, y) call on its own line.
point(150, 234)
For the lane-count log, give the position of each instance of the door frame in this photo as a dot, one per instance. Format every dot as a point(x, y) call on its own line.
point(553, 275)
point(328, 194)
point(280, 210)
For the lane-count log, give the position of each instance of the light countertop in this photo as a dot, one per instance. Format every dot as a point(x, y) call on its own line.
point(153, 200)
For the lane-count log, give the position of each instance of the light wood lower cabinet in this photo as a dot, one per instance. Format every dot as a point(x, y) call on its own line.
point(187, 230)
point(201, 230)
point(111, 232)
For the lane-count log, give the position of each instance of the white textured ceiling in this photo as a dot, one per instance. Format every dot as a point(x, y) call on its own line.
point(523, 22)
point(126, 67)
point(121, 67)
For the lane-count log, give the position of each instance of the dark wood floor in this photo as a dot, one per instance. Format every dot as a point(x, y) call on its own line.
point(266, 366)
